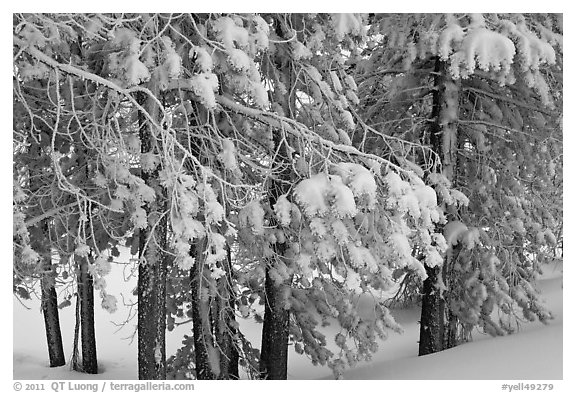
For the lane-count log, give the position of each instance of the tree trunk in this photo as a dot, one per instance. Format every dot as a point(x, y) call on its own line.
point(451, 325)
point(152, 269)
point(275, 331)
point(87, 331)
point(443, 138)
point(223, 318)
point(49, 297)
point(75, 362)
point(432, 318)
point(51, 316)
point(233, 372)
point(212, 317)
point(201, 319)
point(274, 355)
point(152, 316)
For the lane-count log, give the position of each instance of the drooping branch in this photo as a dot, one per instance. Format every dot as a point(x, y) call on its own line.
point(510, 100)
point(83, 74)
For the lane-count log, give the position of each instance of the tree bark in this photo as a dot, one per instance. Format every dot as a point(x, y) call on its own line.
point(51, 316)
point(224, 328)
point(152, 269)
point(275, 331)
point(212, 319)
point(152, 316)
point(87, 331)
point(201, 319)
point(75, 362)
point(49, 297)
point(432, 318)
point(443, 138)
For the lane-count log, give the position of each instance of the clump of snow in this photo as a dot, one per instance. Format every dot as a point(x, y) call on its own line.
point(326, 250)
point(127, 65)
point(239, 60)
point(216, 252)
point(453, 232)
point(348, 119)
point(489, 49)
point(109, 302)
point(204, 85)
point(300, 51)
point(340, 232)
point(350, 82)
point(345, 24)
point(459, 198)
point(172, 61)
point(400, 244)
point(550, 237)
point(470, 238)
point(252, 216)
point(352, 97)
point(336, 81)
point(282, 209)
point(449, 38)
point(478, 47)
point(259, 94)
point(317, 227)
point(311, 194)
point(228, 155)
point(203, 60)
point(353, 281)
point(230, 33)
point(261, 32)
point(303, 261)
point(213, 210)
point(361, 257)
point(135, 71)
point(185, 262)
point(82, 250)
point(433, 257)
point(359, 179)
point(344, 203)
point(533, 50)
point(426, 196)
point(396, 186)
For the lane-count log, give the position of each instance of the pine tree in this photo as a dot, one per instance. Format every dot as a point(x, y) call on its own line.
point(479, 273)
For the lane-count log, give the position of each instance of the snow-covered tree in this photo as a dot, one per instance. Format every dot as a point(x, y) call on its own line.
point(284, 167)
point(485, 92)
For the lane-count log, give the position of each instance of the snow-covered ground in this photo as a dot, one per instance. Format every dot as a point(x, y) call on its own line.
point(535, 353)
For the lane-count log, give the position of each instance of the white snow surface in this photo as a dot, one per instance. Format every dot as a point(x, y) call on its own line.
point(535, 353)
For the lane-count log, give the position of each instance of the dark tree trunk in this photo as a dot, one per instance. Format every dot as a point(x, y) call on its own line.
point(152, 317)
point(432, 317)
point(152, 269)
point(443, 138)
point(275, 331)
point(87, 331)
point(230, 316)
point(75, 363)
point(213, 319)
point(215, 350)
point(49, 297)
point(223, 318)
point(274, 355)
point(51, 316)
point(201, 318)
point(451, 320)
point(233, 372)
